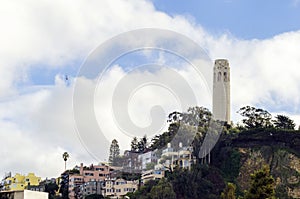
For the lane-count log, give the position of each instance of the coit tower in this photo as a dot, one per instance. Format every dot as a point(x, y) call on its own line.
point(221, 91)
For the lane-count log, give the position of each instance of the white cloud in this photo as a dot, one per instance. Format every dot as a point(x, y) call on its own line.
point(37, 126)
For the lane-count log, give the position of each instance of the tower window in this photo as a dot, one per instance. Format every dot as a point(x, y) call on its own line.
point(219, 76)
point(225, 77)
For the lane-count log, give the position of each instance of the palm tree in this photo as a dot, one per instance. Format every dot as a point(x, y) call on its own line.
point(65, 157)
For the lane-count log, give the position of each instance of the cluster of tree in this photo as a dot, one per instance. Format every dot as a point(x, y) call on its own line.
point(262, 185)
point(183, 127)
point(201, 182)
point(196, 123)
point(205, 182)
point(191, 127)
point(260, 118)
point(64, 185)
point(139, 146)
point(51, 188)
point(155, 189)
point(188, 128)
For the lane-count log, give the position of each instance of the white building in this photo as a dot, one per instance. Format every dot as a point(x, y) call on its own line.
point(24, 194)
point(221, 90)
point(147, 158)
point(152, 175)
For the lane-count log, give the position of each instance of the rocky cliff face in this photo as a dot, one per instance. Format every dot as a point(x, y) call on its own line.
point(285, 168)
point(241, 155)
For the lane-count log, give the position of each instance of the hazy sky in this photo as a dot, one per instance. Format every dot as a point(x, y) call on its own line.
point(43, 41)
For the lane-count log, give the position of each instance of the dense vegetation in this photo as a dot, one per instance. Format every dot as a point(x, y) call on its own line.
point(218, 179)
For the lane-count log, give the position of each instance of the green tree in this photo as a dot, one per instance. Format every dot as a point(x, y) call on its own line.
point(150, 165)
point(65, 157)
point(229, 192)
point(255, 117)
point(142, 144)
point(201, 181)
point(51, 188)
point(174, 117)
point(144, 191)
point(134, 144)
point(163, 190)
point(262, 185)
point(64, 184)
point(283, 122)
point(114, 152)
point(197, 116)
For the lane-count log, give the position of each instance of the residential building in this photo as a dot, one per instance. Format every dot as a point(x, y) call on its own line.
point(75, 181)
point(131, 162)
point(42, 185)
point(152, 175)
point(185, 158)
point(20, 182)
point(147, 158)
point(23, 194)
point(82, 182)
point(168, 156)
point(91, 187)
point(117, 188)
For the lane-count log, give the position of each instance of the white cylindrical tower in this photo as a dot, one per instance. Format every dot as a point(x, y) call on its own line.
point(221, 91)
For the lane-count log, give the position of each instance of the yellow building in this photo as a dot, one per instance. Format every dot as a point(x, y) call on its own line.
point(20, 182)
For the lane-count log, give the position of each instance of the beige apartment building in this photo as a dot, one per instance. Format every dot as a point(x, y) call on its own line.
point(117, 188)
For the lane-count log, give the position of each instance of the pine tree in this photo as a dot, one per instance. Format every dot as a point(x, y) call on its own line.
point(142, 144)
point(262, 185)
point(163, 189)
point(229, 192)
point(114, 151)
point(134, 144)
point(284, 122)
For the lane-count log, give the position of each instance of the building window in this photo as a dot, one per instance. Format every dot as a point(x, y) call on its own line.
point(215, 77)
point(219, 76)
point(225, 77)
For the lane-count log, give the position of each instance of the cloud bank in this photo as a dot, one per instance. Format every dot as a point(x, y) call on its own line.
point(36, 121)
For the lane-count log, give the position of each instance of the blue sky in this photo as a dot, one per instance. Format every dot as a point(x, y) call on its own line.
point(245, 19)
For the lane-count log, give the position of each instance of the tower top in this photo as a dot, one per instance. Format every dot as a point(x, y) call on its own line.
point(221, 90)
point(221, 63)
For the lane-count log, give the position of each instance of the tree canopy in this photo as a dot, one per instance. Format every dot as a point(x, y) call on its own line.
point(114, 152)
point(162, 190)
point(255, 117)
point(262, 185)
point(283, 122)
point(229, 192)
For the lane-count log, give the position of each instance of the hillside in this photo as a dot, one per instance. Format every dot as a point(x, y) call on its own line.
point(234, 158)
point(239, 155)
